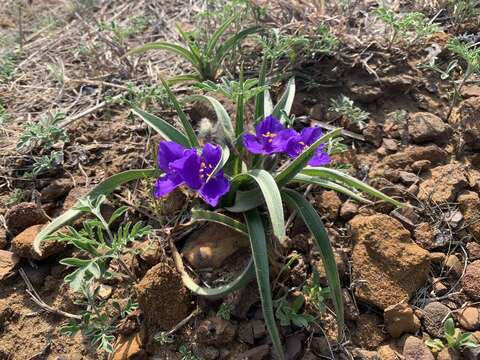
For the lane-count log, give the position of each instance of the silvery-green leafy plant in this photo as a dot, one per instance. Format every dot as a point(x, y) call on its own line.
point(206, 58)
point(99, 245)
point(410, 27)
point(252, 173)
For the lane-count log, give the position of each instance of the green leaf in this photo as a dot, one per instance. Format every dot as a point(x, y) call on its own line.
point(184, 78)
point(338, 176)
point(246, 200)
point(240, 281)
point(212, 42)
point(223, 50)
point(167, 131)
point(301, 161)
point(267, 104)
point(286, 101)
point(302, 178)
point(273, 200)
point(259, 99)
point(258, 245)
point(449, 327)
point(206, 215)
point(187, 126)
point(161, 45)
point(104, 188)
point(222, 115)
point(320, 237)
point(74, 262)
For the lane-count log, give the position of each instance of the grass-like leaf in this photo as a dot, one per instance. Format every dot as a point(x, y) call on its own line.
point(273, 200)
point(231, 42)
point(342, 178)
point(327, 184)
point(187, 126)
point(167, 131)
point(206, 215)
point(213, 41)
point(320, 237)
point(240, 281)
point(301, 161)
point(258, 245)
point(161, 45)
point(259, 99)
point(104, 188)
point(284, 105)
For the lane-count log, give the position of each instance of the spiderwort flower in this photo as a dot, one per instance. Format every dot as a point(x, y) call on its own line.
point(185, 166)
point(301, 141)
point(168, 153)
point(270, 137)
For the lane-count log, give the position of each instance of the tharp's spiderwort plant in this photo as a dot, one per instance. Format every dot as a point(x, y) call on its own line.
point(240, 174)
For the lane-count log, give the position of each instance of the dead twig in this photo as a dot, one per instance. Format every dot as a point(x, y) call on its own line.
point(37, 300)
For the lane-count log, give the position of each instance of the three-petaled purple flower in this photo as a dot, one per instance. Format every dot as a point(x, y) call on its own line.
point(301, 141)
point(270, 137)
point(184, 166)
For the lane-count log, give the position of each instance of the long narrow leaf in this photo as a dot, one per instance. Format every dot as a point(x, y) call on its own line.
point(212, 42)
point(267, 105)
point(223, 50)
point(302, 178)
point(240, 281)
point(161, 45)
point(338, 176)
point(284, 105)
point(301, 161)
point(273, 200)
point(194, 50)
point(206, 215)
point(320, 236)
point(167, 131)
point(187, 126)
point(259, 99)
point(104, 188)
point(258, 244)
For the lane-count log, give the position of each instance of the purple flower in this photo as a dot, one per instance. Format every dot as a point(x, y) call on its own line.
point(270, 137)
point(300, 142)
point(168, 153)
point(185, 166)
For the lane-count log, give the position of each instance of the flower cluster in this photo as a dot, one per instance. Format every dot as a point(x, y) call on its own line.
point(272, 137)
point(183, 166)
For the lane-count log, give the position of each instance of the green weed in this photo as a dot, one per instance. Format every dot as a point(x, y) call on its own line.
point(45, 132)
point(456, 339)
point(410, 28)
point(345, 107)
point(101, 245)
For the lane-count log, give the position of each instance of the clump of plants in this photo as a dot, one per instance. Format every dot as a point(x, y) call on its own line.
point(253, 169)
point(42, 137)
point(350, 114)
point(409, 28)
point(470, 56)
point(454, 337)
point(206, 56)
point(100, 246)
